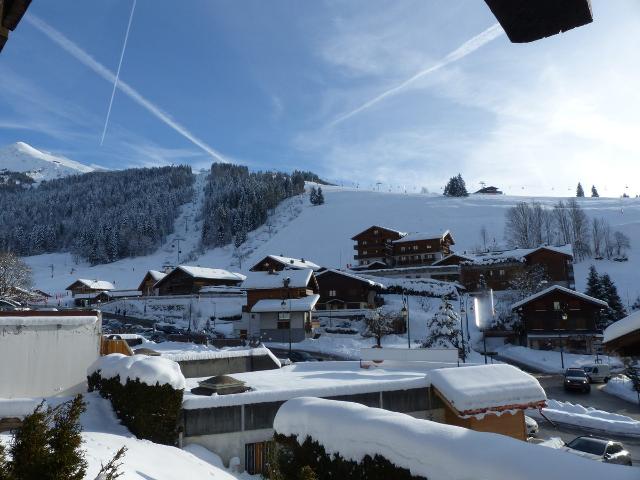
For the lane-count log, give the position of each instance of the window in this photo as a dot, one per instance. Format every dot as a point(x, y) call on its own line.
point(428, 247)
point(364, 242)
point(402, 249)
point(284, 316)
point(375, 232)
point(364, 252)
point(332, 293)
point(415, 247)
point(502, 273)
point(243, 334)
point(556, 306)
point(283, 324)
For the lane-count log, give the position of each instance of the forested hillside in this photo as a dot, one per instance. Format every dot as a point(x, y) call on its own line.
point(99, 216)
point(237, 201)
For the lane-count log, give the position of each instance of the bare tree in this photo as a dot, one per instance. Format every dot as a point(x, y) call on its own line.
point(378, 326)
point(579, 230)
point(548, 228)
point(622, 244)
point(517, 231)
point(15, 276)
point(484, 236)
point(563, 223)
point(598, 229)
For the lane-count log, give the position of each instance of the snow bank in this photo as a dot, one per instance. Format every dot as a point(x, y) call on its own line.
point(548, 361)
point(474, 389)
point(18, 407)
point(148, 370)
point(622, 327)
point(622, 387)
point(588, 417)
point(435, 451)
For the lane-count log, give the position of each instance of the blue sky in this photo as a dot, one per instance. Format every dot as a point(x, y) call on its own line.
point(406, 93)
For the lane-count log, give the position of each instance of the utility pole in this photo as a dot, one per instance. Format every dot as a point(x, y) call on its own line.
point(52, 266)
point(178, 240)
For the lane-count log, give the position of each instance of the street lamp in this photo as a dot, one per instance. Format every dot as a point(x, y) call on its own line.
point(286, 282)
point(405, 316)
point(464, 351)
point(565, 316)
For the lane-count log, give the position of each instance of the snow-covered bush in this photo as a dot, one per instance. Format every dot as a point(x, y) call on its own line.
point(146, 393)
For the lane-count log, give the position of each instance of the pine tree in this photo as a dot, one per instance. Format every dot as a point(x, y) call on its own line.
point(313, 196)
point(444, 328)
point(636, 304)
point(456, 187)
point(320, 197)
point(579, 190)
point(30, 454)
point(65, 441)
point(616, 310)
point(594, 192)
point(594, 287)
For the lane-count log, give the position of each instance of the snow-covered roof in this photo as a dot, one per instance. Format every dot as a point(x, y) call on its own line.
point(304, 304)
point(429, 449)
point(183, 351)
point(477, 389)
point(513, 255)
point(622, 327)
point(295, 262)
point(418, 236)
point(156, 275)
point(94, 284)
point(559, 288)
point(58, 319)
point(265, 280)
point(309, 379)
point(362, 279)
point(149, 370)
point(211, 273)
point(402, 234)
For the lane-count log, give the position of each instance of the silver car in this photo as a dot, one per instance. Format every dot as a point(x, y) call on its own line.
point(599, 449)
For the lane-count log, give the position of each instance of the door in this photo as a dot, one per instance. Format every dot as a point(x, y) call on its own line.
point(256, 457)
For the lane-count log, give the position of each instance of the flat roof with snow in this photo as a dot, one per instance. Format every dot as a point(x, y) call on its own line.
point(41, 318)
point(481, 388)
point(308, 379)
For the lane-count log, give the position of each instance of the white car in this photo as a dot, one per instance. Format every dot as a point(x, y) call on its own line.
point(597, 372)
point(531, 425)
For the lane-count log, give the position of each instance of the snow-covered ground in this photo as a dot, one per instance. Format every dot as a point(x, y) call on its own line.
point(548, 361)
point(103, 435)
point(587, 417)
point(323, 234)
point(622, 387)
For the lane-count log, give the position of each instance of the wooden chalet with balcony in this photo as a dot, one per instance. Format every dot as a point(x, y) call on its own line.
point(416, 249)
point(85, 291)
point(345, 291)
point(187, 280)
point(559, 318)
point(375, 244)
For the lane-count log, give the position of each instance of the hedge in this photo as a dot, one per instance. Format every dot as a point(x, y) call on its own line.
point(149, 412)
point(292, 457)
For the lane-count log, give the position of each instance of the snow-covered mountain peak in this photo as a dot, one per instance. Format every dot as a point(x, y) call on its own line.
point(39, 165)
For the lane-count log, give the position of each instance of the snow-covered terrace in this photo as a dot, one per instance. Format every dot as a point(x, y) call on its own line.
point(322, 379)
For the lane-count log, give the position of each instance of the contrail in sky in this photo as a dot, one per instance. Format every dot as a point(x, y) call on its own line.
point(115, 83)
point(82, 56)
point(462, 51)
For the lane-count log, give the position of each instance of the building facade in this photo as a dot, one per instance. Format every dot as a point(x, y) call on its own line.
point(558, 318)
point(375, 244)
point(417, 249)
point(341, 290)
point(185, 280)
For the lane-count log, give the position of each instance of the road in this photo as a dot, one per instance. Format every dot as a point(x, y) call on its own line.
point(568, 433)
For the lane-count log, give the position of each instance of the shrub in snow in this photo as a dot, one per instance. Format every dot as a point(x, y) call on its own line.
point(380, 324)
point(146, 393)
point(47, 445)
point(309, 460)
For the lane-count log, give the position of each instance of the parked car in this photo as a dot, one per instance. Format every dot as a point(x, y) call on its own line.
point(576, 379)
point(297, 356)
point(531, 426)
point(598, 372)
point(600, 449)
